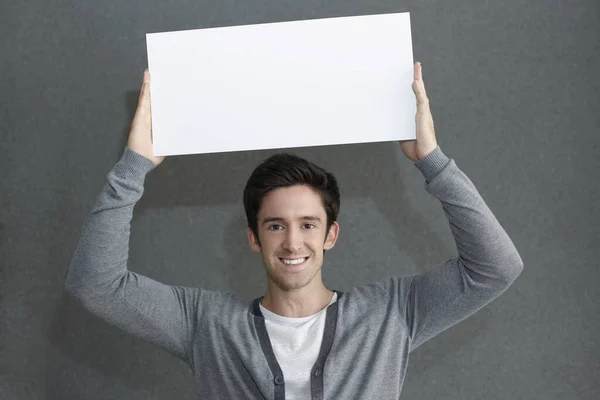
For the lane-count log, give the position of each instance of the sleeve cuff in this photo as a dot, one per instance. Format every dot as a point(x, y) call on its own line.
point(133, 164)
point(432, 164)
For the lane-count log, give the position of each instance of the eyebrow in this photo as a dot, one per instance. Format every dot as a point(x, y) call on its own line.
point(279, 219)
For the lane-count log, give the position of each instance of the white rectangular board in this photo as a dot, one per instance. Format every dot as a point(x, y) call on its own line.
point(280, 85)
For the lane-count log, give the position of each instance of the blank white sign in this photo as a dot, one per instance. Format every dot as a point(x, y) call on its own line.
point(281, 85)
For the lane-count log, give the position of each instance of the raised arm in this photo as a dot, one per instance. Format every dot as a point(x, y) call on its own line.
point(487, 261)
point(98, 275)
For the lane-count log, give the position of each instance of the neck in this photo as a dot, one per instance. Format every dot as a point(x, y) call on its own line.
point(296, 304)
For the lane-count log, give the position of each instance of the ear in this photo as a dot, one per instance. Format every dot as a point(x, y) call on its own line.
point(253, 241)
point(332, 236)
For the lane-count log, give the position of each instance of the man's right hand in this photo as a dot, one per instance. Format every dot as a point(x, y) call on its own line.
point(140, 135)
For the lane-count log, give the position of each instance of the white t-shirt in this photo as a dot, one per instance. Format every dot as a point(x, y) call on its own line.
point(296, 343)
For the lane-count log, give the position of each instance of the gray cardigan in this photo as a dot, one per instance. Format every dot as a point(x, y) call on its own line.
point(369, 331)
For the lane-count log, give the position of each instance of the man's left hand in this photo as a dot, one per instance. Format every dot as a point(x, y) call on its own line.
point(425, 142)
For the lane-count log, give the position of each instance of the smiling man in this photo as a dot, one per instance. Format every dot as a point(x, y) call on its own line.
point(291, 222)
point(300, 340)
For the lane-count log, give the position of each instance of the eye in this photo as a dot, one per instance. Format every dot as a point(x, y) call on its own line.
point(275, 227)
point(309, 226)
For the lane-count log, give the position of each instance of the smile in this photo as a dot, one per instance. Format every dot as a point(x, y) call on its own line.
point(293, 261)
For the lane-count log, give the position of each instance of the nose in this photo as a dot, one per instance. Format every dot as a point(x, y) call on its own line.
point(293, 241)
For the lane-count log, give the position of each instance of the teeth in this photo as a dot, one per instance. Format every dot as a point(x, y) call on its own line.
point(293, 262)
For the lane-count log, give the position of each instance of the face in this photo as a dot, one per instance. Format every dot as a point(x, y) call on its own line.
point(292, 225)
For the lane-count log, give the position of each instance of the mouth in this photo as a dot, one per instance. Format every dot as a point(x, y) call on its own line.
point(293, 262)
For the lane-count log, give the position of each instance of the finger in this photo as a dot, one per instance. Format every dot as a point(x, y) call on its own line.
point(144, 100)
point(145, 81)
point(418, 71)
point(420, 93)
point(419, 87)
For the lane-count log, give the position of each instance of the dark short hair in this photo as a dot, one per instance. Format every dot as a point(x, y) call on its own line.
point(285, 170)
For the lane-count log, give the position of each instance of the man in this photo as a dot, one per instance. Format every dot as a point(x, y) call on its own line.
point(300, 340)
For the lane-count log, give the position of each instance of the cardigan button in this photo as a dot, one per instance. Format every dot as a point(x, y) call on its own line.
point(316, 372)
point(279, 380)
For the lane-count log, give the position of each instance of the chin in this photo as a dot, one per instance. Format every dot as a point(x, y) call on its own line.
point(288, 282)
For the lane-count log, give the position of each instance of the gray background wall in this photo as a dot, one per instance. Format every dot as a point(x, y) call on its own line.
point(514, 89)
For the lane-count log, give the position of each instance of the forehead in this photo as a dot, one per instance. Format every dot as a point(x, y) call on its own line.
point(292, 202)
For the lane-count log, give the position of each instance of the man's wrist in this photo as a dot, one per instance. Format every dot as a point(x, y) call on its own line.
point(133, 164)
point(432, 164)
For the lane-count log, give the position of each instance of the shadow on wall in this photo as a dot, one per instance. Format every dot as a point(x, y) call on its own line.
point(95, 352)
point(368, 170)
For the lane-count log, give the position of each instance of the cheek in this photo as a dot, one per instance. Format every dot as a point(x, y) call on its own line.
point(270, 243)
point(315, 242)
